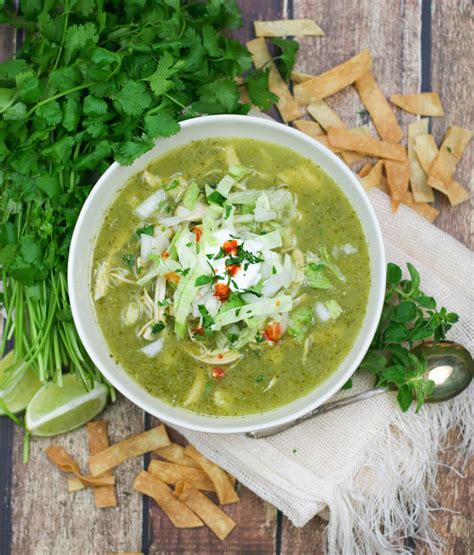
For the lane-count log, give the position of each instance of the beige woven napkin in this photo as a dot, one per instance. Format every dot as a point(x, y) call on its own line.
point(368, 463)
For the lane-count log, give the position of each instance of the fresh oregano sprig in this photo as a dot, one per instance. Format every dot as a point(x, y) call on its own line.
point(408, 318)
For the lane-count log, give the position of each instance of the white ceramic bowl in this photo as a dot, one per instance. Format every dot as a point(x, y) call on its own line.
point(90, 221)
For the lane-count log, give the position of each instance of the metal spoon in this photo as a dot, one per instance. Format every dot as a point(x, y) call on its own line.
point(449, 365)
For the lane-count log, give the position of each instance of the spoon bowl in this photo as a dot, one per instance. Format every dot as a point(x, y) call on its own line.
point(449, 366)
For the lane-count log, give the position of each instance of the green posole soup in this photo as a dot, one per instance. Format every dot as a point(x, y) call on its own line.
point(230, 277)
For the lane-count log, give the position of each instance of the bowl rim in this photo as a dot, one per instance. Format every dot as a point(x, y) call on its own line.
point(232, 426)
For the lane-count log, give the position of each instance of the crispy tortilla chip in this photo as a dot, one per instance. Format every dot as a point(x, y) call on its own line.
point(74, 484)
point(221, 480)
point(428, 212)
point(365, 169)
point(373, 177)
point(326, 117)
point(171, 473)
point(422, 104)
point(422, 192)
point(175, 453)
point(213, 516)
point(310, 128)
point(286, 105)
point(442, 170)
point(334, 80)
point(134, 446)
point(398, 177)
point(98, 441)
point(424, 209)
point(300, 77)
point(379, 109)
point(348, 139)
point(426, 151)
point(179, 514)
point(63, 460)
point(287, 28)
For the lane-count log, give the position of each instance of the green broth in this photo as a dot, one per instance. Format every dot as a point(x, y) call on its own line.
point(328, 220)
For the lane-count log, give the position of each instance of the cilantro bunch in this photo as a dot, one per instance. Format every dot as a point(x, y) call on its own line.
point(94, 82)
point(409, 317)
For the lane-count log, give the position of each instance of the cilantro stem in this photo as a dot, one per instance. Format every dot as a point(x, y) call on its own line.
point(55, 97)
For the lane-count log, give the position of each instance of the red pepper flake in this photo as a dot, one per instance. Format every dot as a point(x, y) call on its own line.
point(272, 332)
point(221, 291)
point(165, 254)
point(218, 372)
point(232, 269)
point(172, 276)
point(220, 356)
point(199, 330)
point(198, 232)
point(230, 247)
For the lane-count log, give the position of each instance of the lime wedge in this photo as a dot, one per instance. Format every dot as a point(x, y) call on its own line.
point(55, 410)
point(17, 386)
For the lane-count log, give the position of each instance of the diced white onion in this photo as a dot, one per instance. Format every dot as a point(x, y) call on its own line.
point(154, 348)
point(153, 245)
point(322, 312)
point(348, 249)
point(149, 205)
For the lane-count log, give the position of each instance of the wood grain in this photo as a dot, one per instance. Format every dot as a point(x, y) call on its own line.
point(451, 69)
point(255, 531)
point(48, 520)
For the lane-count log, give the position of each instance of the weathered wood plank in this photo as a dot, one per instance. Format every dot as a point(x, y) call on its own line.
point(7, 48)
point(47, 519)
point(255, 531)
point(451, 71)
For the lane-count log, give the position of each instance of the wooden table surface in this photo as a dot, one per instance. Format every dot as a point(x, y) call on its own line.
point(417, 46)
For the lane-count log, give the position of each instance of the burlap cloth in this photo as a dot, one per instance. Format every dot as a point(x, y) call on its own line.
point(358, 461)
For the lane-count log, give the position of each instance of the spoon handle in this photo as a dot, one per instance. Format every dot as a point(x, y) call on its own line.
point(327, 407)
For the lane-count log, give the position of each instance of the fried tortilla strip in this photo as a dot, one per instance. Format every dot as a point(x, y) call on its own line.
point(323, 139)
point(373, 177)
point(171, 473)
point(442, 170)
point(300, 77)
point(221, 480)
point(422, 104)
point(348, 139)
point(398, 177)
point(426, 151)
point(175, 453)
point(74, 484)
point(98, 441)
point(365, 169)
point(213, 516)
point(310, 128)
point(327, 118)
point(134, 446)
point(428, 212)
point(179, 514)
point(379, 109)
point(333, 80)
point(287, 28)
point(63, 460)
point(422, 192)
point(286, 105)
point(422, 208)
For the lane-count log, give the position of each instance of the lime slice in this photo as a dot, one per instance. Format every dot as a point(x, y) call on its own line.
point(55, 410)
point(17, 386)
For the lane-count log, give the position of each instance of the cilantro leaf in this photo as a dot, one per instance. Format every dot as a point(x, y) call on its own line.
point(287, 57)
point(133, 98)
point(257, 87)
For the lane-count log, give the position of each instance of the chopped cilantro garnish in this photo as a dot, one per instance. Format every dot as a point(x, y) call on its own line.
point(183, 272)
point(228, 210)
point(203, 280)
point(145, 230)
point(171, 185)
point(157, 327)
point(274, 270)
point(259, 378)
point(129, 259)
point(216, 198)
point(207, 319)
